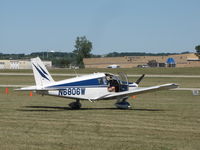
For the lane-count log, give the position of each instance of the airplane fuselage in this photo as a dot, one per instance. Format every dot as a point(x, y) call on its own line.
point(86, 87)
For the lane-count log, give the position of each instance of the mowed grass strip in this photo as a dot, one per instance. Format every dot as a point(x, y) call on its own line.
point(162, 120)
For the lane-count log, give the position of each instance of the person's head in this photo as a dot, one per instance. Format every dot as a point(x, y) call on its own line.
point(108, 78)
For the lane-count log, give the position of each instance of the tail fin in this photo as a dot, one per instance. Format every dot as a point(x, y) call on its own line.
point(41, 74)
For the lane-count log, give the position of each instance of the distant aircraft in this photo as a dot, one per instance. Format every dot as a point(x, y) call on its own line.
point(93, 87)
point(113, 66)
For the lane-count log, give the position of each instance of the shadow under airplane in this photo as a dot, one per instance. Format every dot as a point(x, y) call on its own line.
point(58, 108)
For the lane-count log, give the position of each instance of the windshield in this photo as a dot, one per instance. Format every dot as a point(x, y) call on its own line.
point(123, 78)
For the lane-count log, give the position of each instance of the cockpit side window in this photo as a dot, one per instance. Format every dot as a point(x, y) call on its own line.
point(101, 81)
point(104, 80)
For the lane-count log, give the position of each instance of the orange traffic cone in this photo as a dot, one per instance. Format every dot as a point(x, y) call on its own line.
point(31, 94)
point(6, 91)
point(133, 97)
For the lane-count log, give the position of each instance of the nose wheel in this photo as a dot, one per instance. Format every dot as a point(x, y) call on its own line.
point(75, 105)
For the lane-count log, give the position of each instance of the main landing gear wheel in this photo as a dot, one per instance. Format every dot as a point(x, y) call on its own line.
point(75, 105)
point(122, 103)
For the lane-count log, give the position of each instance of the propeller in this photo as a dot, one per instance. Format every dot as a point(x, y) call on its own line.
point(140, 79)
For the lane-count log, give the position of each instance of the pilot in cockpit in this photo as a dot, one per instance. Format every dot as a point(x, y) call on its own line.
point(113, 85)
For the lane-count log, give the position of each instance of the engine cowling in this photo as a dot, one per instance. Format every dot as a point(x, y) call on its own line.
point(123, 105)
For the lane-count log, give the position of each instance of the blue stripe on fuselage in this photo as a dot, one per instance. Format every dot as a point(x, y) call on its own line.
point(90, 82)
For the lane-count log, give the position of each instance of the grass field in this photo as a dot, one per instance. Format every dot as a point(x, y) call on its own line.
point(166, 120)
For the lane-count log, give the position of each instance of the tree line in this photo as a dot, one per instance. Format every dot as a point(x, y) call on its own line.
point(82, 49)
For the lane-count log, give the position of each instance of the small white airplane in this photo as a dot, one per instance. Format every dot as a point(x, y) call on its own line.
point(93, 87)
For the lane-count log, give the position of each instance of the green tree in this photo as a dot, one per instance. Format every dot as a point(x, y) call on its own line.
point(83, 48)
point(197, 48)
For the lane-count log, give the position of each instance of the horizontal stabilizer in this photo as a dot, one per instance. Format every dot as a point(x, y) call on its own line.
point(29, 88)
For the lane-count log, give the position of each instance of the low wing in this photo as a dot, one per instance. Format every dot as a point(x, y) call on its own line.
point(136, 91)
point(140, 90)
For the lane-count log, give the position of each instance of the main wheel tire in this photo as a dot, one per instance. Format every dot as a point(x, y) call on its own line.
point(123, 105)
point(75, 105)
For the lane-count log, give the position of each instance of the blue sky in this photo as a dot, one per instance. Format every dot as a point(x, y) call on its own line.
point(111, 25)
